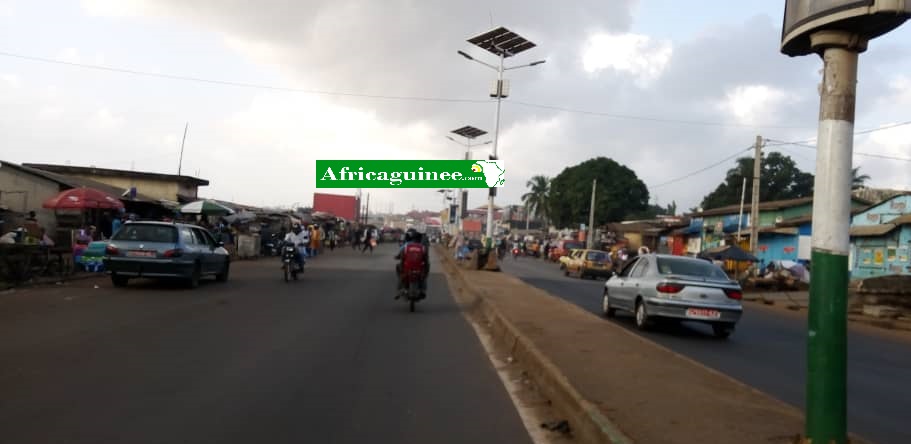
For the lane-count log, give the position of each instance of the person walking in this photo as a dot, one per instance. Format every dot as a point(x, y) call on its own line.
point(368, 240)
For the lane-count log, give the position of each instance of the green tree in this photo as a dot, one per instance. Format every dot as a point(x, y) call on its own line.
point(536, 199)
point(858, 180)
point(619, 194)
point(672, 208)
point(779, 179)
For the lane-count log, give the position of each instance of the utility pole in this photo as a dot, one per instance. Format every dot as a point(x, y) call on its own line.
point(754, 210)
point(184, 140)
point(827, 320)
point(743, 196)
point(589, 242)
point(367, 211)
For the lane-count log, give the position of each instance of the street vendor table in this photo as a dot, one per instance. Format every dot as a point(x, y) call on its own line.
point(21, 262)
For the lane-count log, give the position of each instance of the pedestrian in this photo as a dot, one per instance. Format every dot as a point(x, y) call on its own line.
point(332, 237)
point(368, 240)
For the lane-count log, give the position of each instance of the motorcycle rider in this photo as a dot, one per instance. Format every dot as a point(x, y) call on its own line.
point(412, 239)
point(300, 239)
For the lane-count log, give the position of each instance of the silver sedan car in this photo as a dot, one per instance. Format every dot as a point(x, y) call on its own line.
point(657, 286)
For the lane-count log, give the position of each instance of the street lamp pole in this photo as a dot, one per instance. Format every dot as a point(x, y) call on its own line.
point(502, 43)
point(469, 133)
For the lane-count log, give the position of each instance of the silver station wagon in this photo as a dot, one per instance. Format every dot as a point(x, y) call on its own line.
point(165, 250)
point(655, 286)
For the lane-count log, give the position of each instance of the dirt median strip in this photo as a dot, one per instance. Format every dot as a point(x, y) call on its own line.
point(613, 385)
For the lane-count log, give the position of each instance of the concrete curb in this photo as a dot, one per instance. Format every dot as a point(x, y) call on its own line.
point(587, 422)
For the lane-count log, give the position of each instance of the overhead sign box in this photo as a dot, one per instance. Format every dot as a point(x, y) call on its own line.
point(866, 18)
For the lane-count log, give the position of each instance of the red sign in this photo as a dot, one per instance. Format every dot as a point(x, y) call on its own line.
point(788, 249)
point(763, 248)
point(339, 205)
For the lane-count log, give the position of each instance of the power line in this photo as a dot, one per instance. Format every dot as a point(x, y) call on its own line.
point(687, 176)
point(649, 119)
point(856, 133)
point(237, 84)
point(856, 153)
point(379, 96)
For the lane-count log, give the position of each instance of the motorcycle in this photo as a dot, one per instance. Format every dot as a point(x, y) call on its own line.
point(410, 289)
point(289, 264)
point(515, 253)
point(271, 246)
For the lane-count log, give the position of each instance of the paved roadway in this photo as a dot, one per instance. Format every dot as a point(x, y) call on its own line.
point(767, 351)
point(329, 359)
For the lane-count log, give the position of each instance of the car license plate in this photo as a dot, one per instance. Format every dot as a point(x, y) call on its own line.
point(703, 313)
point(141, 253)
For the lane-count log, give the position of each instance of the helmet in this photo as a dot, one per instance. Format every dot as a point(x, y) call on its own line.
point(411, 235)
point(296, 228)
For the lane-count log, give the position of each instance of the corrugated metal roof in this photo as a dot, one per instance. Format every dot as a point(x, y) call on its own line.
point(871, 230)
point(901, 220)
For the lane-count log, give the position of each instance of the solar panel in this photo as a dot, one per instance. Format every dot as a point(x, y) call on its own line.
point(469, 132)
point(501, 41)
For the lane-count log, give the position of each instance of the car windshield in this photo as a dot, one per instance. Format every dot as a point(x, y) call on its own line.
point(596, 256)
point(573, 246)
point(690, 267)
point(147, 233)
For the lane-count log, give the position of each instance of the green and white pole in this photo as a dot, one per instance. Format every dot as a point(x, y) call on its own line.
point(826, 414)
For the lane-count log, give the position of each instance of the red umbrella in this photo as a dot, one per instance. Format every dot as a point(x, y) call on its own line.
point(82, 198)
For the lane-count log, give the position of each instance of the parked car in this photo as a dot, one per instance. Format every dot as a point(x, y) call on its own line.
point(563, 248)
point(564, 260)
point(589, 263)
point(165, 250)
point(656, 286)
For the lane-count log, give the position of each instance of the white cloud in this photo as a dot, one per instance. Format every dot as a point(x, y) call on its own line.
point(105, 120)
point(753, 104)
point(638, 55)
point(116, 8)
point(11, 81)
point(70, 55)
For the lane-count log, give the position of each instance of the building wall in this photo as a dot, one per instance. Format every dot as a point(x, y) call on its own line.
point(22, 192)
point(882, 255)
point(157, 189)
point(884, 212)
point(777, 247)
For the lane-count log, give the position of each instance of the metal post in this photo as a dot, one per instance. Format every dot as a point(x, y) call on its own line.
point(754, 210)
point(591, 219)
point(826, 413)
point(459, 224)
point(743, 196)
point(496, 138)
point(184, 140)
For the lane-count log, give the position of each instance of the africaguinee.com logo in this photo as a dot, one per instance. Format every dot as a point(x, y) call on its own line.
point(409, 173)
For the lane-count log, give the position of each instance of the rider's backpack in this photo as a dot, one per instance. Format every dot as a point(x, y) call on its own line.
point(413, 257)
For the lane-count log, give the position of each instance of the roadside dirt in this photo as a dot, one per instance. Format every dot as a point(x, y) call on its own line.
point(887, 328)
point(653, 394)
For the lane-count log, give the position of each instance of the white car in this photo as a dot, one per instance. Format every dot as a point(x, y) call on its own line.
point(657, 286)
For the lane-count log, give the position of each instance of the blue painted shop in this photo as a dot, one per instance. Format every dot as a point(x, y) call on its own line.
point(881, 239)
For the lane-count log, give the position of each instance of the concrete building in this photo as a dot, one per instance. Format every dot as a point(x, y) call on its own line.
point(167, 187)
point(881, 239)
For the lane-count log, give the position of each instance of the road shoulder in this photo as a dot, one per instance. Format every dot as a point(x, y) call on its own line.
point(643, 392)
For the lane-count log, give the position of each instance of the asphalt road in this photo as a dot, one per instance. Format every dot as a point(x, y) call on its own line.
point(329, 359)
point(768, 351)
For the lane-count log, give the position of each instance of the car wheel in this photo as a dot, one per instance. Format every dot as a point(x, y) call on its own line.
point(642, 319)
point(223, 276)
point(119, 281)
point(605, 306)
point(565, 272)
point(722, 331)
point(193, 282)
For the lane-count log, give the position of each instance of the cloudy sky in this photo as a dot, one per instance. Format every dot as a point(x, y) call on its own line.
point(666, 87)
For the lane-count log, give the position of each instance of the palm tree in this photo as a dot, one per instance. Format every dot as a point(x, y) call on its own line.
point(536, 198)
point(858, 180)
